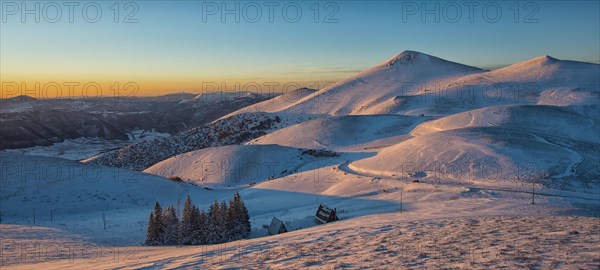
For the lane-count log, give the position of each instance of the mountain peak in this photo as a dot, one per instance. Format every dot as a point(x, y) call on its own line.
point(414, 58)
point(406, 57)
point(544, 59)
point(533, 63)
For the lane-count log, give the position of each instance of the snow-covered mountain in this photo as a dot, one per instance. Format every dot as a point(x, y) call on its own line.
point(418, 134)
point(378, 90)
point(413, 83)
point(408, 91)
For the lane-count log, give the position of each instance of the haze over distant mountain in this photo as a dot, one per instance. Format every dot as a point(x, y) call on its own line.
point(27, 121)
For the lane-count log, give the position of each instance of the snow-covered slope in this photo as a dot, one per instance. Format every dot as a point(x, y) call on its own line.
point(234, 165)
point(342, 133)
point(277, 103)
point(483, 154)
point(548, 70)
point(75, 197)
point(391, 241)
point(501, 144)
point(545, 80)
point(565, 121)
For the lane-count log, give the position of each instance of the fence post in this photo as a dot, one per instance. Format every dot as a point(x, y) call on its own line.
point(401, 200)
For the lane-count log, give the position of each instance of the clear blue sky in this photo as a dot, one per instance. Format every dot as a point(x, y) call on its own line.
point(173, 47)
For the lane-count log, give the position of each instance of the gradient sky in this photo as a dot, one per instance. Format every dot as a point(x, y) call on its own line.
point(174, 48)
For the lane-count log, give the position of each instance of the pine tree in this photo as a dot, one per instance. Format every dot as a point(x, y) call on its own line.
point(158, 220)
point(202, 227)
point(231, 223)
point(151, 237)
point(187, 222)
point(222, 223)
point(171, 225)
point(237, 219)
point(196, 236)
point(213, 235)
point(223, 209)
point(155, 233)
point(243, 226)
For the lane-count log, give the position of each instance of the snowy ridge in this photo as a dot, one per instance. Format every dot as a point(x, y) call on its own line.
point(413, 83)
point(277, 103)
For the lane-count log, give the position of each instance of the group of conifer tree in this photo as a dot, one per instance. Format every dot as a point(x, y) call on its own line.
point(221, 223)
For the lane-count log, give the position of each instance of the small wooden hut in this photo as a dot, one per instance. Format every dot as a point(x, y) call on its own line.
point(277, 226)
point(325, 215)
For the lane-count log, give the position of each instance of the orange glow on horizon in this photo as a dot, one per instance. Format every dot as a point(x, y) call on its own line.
point(48, 89)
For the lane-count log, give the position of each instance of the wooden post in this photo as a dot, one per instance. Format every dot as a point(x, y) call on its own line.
point(533, 195)
point(401, 200)
point(33, 216)
point(104, 219)
point(51, 216)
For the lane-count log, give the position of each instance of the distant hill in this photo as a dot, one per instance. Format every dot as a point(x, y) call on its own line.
point(27, 121)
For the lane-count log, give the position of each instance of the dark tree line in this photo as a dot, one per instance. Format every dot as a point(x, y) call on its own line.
point(221, 223)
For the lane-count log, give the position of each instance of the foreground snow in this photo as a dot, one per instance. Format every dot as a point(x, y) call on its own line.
point(388, 241)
